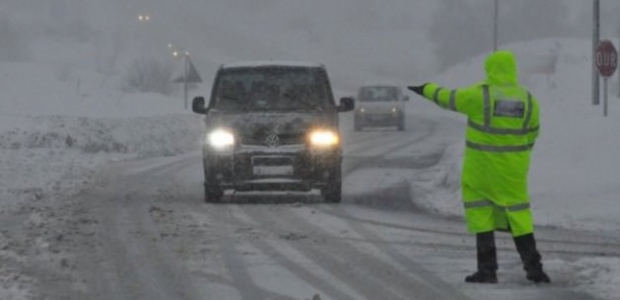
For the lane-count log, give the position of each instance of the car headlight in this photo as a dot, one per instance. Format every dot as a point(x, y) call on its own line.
point(221, 139)
point(362, 110)
point(394, 109)
point(324, 138)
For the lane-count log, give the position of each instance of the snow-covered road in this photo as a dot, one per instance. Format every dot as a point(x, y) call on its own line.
point(141, 231)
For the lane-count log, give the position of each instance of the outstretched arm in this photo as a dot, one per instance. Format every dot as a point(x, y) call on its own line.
point(445, 98)
point(455, 100)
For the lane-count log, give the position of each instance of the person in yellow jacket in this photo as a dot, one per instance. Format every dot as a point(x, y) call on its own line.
point(502, 127)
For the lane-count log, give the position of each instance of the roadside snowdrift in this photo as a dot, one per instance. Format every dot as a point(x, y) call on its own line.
point(142, 136)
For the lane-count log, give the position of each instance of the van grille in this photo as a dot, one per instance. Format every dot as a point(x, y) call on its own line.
point(267, 140)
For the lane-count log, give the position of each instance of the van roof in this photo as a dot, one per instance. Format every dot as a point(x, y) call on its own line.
point(271, 63)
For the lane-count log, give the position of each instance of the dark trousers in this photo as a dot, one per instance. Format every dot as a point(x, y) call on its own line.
point(487, 252)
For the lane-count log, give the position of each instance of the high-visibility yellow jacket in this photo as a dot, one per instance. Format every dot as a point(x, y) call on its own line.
point(503, 124)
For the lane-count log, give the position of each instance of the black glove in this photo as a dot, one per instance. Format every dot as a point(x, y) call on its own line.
point(419, 89)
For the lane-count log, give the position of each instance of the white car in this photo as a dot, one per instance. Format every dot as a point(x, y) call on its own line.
point(380, 105)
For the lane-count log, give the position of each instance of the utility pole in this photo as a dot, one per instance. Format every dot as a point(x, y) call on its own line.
point(618, 95)
point(495, 23)
point(595, 40)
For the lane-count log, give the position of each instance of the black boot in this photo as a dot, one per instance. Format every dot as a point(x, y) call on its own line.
point(526, 245)
point(487, 259)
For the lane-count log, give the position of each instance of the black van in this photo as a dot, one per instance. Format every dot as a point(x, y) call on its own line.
point(272, 126)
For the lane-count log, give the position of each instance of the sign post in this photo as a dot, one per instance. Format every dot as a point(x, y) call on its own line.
point(190, 75)
point(606, 61)
point(595, 42)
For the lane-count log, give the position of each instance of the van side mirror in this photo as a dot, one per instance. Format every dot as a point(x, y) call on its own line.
point(198, 105)
point(346, 104)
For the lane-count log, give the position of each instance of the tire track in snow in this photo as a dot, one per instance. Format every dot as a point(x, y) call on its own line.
point(380, 145)
point(426, 278)
point(131, 262)
point(223, 281)
point(346, 262)
point(280, 258)
point(587, 245)
point(355, 160)
point(241, 277)
point(559, 290)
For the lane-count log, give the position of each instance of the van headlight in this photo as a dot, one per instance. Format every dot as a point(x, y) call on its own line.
point(324, 138)
point(221, 139)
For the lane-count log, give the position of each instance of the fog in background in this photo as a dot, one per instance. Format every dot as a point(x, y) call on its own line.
point(358, 40)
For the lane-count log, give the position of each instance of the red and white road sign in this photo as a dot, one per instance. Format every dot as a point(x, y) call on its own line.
point(606, 58)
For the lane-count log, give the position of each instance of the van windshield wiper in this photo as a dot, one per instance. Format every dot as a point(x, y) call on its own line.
point(306, 104)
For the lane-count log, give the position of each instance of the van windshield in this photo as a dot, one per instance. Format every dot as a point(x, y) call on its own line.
point(273, 89)
point(378, 94)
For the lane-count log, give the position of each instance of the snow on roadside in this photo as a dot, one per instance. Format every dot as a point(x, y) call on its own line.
point(52, 159)
point(63, 147)
point(56, 128)
point(145, 136)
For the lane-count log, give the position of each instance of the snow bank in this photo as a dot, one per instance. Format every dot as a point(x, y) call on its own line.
point(144, 136)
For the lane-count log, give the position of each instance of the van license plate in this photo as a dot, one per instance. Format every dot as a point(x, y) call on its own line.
point(273, 170)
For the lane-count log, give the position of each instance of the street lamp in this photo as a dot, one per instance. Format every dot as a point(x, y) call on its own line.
point(177, 51)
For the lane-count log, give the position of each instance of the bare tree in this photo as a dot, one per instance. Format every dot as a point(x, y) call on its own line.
point(150, 75)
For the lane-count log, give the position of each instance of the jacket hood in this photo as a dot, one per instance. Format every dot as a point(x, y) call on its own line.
point(501, 68)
